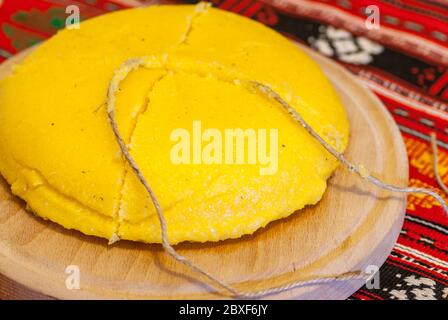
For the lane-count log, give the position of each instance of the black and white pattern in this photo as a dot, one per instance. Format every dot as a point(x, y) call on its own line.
point(344, 46)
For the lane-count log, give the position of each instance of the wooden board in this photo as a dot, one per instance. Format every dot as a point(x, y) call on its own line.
point(354, 226)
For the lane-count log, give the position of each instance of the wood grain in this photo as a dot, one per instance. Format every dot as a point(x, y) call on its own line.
point(354, 226)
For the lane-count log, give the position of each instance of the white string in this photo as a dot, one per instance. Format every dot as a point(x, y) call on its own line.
point(360, 170)
point(133, 64)
point(436, 163)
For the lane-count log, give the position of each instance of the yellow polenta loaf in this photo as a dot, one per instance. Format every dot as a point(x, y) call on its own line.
point(59, 154)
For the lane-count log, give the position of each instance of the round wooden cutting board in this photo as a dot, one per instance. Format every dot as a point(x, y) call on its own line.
point(354, 226)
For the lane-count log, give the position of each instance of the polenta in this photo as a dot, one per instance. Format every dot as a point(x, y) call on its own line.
point(59, 154)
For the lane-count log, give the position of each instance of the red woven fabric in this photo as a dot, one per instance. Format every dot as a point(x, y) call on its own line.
point(404, 62)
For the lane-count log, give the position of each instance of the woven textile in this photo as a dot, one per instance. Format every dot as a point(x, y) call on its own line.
point(404, 62)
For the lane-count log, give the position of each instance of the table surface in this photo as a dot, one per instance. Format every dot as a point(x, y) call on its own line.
point(404, 62)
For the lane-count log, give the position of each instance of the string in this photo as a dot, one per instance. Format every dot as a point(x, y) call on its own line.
point(436, 163)
point(359, 169)
point(133, 64)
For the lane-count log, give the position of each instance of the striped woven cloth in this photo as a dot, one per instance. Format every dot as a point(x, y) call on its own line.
point(403, 60)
